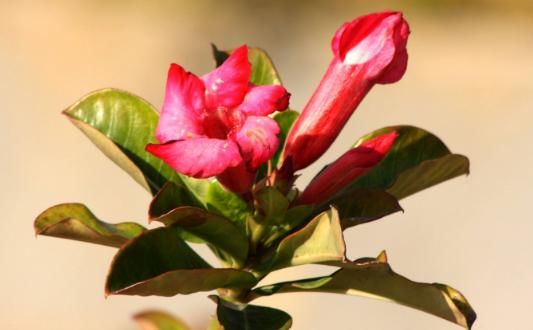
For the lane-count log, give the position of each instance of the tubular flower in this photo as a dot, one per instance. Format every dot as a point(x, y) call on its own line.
point(217, 124)
point(350, 166)
point(367, 51)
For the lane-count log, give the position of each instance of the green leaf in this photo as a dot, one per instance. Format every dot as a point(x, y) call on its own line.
point(174, 205)
point(292, 219)
point(228, 204)
point(219, 55)
point(374, 278)
point(272, 204)
point(417, 160)
point(170, 197)
point(120, 124)
point(285, 121)
point(159, 262)
point(263, 70)
point(429, 173)
point(75, 221)
point(319, 241)
point(360, 206)
point(158, 320)
point(296, 216)
point(225, 239)
point(211, 196)
point(234, 316)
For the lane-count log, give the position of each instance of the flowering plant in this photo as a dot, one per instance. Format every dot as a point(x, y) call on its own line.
point(221, 160)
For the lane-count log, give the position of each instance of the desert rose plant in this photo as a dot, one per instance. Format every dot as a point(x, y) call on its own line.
point(221, 160)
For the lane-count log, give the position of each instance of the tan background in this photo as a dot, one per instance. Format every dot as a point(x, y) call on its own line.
point(470, 80)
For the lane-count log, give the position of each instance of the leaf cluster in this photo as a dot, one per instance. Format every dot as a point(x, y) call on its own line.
point(251, 237)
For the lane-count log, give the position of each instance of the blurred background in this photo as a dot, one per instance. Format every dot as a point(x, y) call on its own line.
point(469, 80)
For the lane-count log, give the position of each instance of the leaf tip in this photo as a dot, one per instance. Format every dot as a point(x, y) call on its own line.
point(463, 311)
point(382, 257)
point(107, 292)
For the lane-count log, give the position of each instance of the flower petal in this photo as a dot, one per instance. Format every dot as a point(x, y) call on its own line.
point(263, 100)
point(199, 158)
point(396, 69)
point(258, 140)
point(350, 166)
point(227, 85)
point(376, 39)
point(182, 108)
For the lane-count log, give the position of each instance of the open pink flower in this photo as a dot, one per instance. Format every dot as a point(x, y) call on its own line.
point(367, 51)
point(217, 125)
point(350, 166)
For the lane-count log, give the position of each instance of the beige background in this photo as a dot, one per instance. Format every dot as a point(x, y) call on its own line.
point(470, 80)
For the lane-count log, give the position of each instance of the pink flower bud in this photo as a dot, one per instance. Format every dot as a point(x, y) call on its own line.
point(367, 51)
point(347, 168)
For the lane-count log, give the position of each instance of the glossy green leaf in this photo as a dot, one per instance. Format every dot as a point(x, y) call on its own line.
point(174, 204)
point(211, 196)
point(374, 278)
point(263, 70)
point(223, 237)
point(296, 216)
point(272, 204)
point(120, 124)
point(234, 316)
point(360, 206)
point(429, 173)
point(285, 121)
point(75, 221)
point(169, 197)
point(292, 219)
point(226, 203)
point(159, 262)
point(319, 241)
point(417, 160)
point(158, 320)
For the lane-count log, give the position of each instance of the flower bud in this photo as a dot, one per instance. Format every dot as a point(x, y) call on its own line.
point(367, 51)
point(347, 168)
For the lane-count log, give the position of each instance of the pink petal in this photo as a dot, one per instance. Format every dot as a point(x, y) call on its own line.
point(376, 40)
point(353, 164)
point(396, 69)
point(182, 108)
point(263, 100)
point(227, 84)
point(258, 140)
point(199, 158)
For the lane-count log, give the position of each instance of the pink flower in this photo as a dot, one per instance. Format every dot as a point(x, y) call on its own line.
point(217, 125)
point(350, 166)
point(367, 51)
